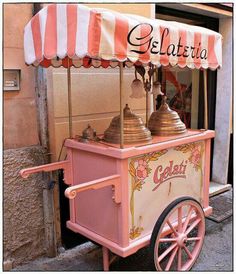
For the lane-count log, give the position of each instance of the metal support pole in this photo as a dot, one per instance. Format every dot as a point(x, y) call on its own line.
point(69, 100)
point(155, 79)
point(205, 100)
point(146, 108)
point(121, 108)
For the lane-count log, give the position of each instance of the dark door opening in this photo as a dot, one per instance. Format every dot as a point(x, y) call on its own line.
point(69, 238)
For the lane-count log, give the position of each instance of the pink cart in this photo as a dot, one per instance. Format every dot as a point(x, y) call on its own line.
point(126, 197)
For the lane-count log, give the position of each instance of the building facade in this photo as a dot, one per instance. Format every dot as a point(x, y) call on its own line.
point(36, 123)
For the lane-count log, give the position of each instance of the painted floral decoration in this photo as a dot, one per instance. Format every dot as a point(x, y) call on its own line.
point(195, 158)
point(196, 151)
point(142, 170)
point(135, 232)
point(139, 171)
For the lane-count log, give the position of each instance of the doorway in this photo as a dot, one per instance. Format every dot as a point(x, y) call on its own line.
point(69, 238)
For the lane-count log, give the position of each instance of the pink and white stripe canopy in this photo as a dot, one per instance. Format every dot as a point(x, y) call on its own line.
point(75, 35)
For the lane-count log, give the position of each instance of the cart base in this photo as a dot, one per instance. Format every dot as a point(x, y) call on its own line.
point(108, 245)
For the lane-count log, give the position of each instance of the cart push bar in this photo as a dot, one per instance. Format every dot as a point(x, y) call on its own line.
point(71, 192)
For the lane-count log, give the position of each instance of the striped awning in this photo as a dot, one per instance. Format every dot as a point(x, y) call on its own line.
point(75, 35)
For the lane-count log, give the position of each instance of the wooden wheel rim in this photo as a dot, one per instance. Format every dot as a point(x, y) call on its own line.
point(180, 236)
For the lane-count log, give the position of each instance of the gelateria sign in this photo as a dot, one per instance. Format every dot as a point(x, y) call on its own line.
point(147, 42)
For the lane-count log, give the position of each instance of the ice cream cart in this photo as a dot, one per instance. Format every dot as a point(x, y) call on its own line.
point(129, 189)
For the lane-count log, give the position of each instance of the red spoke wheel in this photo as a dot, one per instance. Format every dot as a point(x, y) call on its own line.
point(178, 236)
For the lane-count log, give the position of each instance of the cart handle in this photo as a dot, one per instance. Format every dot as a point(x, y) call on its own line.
point(113, 180)
point(47, 168)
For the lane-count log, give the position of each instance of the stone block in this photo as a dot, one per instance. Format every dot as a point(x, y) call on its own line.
point(23, 220)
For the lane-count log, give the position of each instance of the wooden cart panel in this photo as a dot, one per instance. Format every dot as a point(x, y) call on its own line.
point(95, 209)
point(158, 178)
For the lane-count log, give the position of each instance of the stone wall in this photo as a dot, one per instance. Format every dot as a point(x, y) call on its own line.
point(23, 220)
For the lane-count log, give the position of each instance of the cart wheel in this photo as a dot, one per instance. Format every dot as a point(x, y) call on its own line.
point(178, 235)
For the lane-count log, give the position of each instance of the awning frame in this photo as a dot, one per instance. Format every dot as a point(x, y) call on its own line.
point(144, 53)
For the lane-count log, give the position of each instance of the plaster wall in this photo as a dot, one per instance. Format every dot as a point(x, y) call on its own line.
point(223, 118)
point(95, 101)
point(140, 9)
point(20, 116)
point(23, 220)
point(137, 8)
